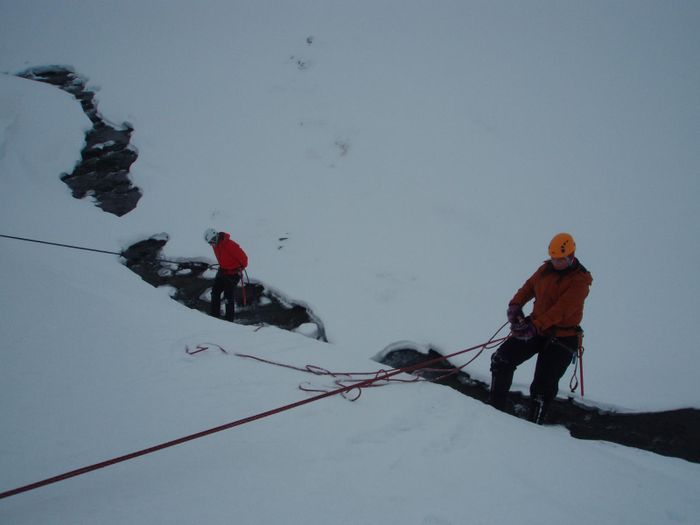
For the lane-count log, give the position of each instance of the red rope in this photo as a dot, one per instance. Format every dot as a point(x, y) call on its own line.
point(574, 382)
point(381, 375)
point(149, 450)
point(202, 347)
point(312, 369)
point(580, 360)
point(244, 273)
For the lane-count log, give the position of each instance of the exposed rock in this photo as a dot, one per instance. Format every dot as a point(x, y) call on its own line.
point(673, 433)
point(103, 172)
point(255, 304)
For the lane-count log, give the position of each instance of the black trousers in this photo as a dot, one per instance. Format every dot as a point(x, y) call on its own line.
point(553, 358)
point(224, 284)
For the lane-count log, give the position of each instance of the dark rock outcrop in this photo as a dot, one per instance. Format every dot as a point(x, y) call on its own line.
point(674, 433)
point(255, 304)
point(103, 171)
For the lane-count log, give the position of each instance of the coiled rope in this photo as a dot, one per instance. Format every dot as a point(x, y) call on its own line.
point(384, 375)
point(352, 379)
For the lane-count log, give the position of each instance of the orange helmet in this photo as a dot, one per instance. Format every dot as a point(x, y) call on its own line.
point(562, 245)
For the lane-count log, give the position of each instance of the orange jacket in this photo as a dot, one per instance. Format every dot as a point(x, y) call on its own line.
point(559, 297)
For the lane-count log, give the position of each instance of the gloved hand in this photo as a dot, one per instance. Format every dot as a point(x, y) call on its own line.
point(524, 330)
point(514, 313)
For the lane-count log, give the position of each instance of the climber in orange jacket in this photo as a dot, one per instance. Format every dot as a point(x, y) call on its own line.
point(559, 288)
point(232, 261)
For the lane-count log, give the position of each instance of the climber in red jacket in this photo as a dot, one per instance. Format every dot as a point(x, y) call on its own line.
point(232, 261)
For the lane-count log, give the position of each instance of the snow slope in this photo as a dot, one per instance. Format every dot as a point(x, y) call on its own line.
point(418, 157)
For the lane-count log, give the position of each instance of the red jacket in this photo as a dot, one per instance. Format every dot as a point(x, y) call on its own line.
point(230, 256)
point(559, 298)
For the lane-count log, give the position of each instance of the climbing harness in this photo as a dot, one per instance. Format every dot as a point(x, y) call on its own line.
point(245, 282)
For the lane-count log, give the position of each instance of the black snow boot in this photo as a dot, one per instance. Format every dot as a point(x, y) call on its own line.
point(538, 410)
point(498, 394)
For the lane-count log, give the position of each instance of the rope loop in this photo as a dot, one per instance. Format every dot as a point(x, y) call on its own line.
point(573, 382)
point(377, 378)
point(577, 358)
point(317, 370)
point(350, 380)
point(347, 393)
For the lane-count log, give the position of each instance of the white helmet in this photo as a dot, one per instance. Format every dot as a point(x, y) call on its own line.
point(210, 235)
